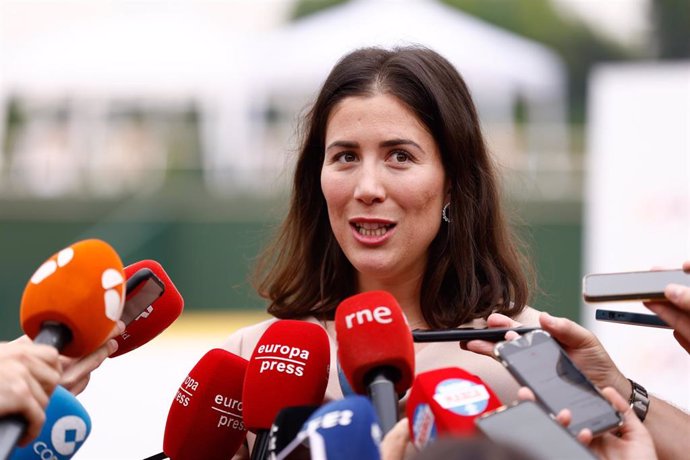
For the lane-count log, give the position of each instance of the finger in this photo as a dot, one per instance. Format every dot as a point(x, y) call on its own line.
point(395, 441)
point(686, 266)
point(35, 417)
point(481, 347)
point(525, 394)
point(568, 333)
point(679, 295)
point(585, 436)
point(564, 417)
point(682, 340)
point(675, 317)
point(497, 320)
point(78, 370)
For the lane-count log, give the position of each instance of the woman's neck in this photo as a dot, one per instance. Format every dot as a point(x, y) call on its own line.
point(407, 293)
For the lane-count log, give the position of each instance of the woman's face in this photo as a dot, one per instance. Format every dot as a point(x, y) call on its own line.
point(384, 186)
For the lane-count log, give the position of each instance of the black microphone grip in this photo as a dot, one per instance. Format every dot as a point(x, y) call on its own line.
point(383, 398)
point(260, 450)
point(12, 427)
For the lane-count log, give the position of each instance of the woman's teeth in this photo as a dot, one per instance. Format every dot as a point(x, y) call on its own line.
point(369, 229)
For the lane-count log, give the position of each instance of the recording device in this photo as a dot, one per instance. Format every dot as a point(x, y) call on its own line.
point(538, 362)
point(71, 302)
point(446, 402)
point(345, 429)
point(65, 430)
point(644, 285)
point(635, 319)
point(285, 429)
point(526, 427)
point(465, 334)
point(375, 350)
point(205, 418)
point(152, 304)
point(289, 367)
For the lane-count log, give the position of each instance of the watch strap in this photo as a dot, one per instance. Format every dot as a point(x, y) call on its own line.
point(639, 400)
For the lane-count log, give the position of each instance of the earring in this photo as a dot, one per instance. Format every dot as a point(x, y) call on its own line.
point(444, 212)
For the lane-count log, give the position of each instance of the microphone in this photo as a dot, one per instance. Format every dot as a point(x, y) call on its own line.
point(375, 350)
point(74, 298)
point(288, 367)
point(205, 418)
point(152, 304)
point(343, 429)
point(66, 428)
point(285, 429)
point(445, 402)
point(72, 303)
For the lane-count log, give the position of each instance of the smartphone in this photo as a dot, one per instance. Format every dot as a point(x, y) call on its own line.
point(465, 334)
point(628, 317)
point(528, 428)
point(141, 290)
point(649, 285)
point(538, 362)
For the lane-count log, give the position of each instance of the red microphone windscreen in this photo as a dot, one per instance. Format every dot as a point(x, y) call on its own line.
point(81, 287)
point(372, 333)
point(446, 402)
point(157, 317)
point(289, 367)
point(205, 418)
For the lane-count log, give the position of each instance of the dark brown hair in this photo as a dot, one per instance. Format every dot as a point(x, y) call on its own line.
point(474, 266)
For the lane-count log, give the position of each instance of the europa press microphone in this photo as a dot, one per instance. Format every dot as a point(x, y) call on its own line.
point(72, 302)
point(445, 402)
point(66, 428)
point(205, 418)
point(375, 350)
point(340, 430)
point(152, 303)
point(289, 367)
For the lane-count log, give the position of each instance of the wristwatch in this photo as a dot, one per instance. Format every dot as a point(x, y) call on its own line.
point(639, 400)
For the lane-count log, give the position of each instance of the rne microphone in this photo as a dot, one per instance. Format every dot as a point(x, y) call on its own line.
point(345, 429)
point(205, 418)
point(65, 430)
point(445, 402)
point(71, 302)
point(288, 367)
point(152, 304)
point(375, 350)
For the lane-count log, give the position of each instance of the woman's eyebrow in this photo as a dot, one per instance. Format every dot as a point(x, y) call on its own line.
point(396, 142)
point(345, 144)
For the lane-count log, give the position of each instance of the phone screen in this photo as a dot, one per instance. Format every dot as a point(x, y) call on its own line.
point(537, 361)
point(528, 428)
point(643, 285)
point(143, 288)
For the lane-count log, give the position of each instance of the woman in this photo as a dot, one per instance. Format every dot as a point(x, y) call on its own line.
point(394, 189)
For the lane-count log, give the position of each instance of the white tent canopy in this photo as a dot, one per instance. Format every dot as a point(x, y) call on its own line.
point(500, 67)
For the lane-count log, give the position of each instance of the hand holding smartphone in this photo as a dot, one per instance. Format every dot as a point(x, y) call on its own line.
point(539, 363)
point(530, 429)
point(645, 285)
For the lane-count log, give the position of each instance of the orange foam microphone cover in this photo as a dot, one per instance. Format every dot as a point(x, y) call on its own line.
point(82, 288)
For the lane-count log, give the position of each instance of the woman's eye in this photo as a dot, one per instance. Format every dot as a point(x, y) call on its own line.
point(346, 157)
point(401, 157)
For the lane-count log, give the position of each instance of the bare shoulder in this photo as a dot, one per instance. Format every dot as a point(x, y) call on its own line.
point(243, 340)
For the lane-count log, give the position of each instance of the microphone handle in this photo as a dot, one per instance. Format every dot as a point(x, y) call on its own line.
point(12, 427)
point(260, 450)
point(159, 456)
point(54, 334)
point(383, 398)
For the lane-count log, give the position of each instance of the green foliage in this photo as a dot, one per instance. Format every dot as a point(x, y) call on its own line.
point(672, 24)
point(306, 7)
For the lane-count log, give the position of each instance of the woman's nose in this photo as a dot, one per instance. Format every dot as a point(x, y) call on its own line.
point(370, 187)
